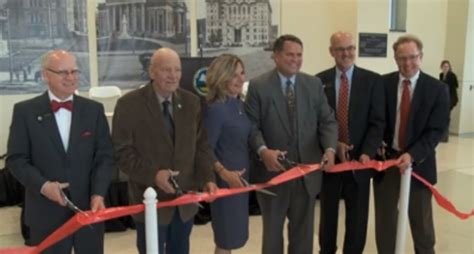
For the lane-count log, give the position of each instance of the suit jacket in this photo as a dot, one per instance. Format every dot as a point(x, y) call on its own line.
point(143, 146)
point(428, 120)
point(36, 154)
point(366, 112)
point(266, 106)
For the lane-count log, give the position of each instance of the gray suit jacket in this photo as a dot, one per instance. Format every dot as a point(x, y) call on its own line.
point(143, 145)
point(36, 155)
point(266, 106)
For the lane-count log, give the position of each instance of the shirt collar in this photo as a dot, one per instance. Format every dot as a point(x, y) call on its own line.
point(55, 98)
point(283, 79)
point(161, 99)
point(348, 73)
point(413, 79)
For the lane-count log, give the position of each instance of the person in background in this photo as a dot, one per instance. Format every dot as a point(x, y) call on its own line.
point(447, 76)
point(59, 146)
point(291, 121)
point(357, 96)
point(417, 115)
point(158, 137)
point(228, 130)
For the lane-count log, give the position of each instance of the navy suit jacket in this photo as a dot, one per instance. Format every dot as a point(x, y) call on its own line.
point(428, 120)
point(366, 111)
point(36, 155)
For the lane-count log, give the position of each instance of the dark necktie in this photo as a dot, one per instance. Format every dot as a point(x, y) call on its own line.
point(291, 102)
point(56, 105)
point(168, 118)
point(404, 113)
point(343, 110)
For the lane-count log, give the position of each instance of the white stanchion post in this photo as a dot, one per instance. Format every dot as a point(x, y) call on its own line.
point(403, 202)
point(151, 221)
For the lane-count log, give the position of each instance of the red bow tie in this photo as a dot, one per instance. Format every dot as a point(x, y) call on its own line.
point(56, 105)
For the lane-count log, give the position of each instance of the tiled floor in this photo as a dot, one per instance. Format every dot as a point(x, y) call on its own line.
point(454, 236)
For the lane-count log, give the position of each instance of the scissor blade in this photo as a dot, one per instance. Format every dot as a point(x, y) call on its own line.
point(71, 205)
point(267, 192)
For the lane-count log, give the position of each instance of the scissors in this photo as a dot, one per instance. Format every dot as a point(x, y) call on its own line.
point(177, 188)
point(175, 185)
point(247, 184)
point(286, 163)
point(71, 205)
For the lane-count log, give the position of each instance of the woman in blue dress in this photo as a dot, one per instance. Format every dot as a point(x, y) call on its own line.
point(228, 130)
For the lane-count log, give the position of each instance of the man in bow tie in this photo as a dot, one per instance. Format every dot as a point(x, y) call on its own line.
point(59, 144)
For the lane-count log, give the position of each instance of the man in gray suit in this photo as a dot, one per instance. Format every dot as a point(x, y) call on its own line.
point(291, 118)
point(60, 142)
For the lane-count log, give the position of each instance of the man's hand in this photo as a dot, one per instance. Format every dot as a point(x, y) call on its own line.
point(404, 161)
point(270, 159)
point(97, 203)
point(343, 151)
point(51, 190)
point(232, 178)
point(210, 187)
point(328, 160)
point(162, 180)
point(364, 158)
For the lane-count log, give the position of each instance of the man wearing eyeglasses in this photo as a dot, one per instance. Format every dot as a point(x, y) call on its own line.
point(417, 114)
point(59, 148)
point(357, 97)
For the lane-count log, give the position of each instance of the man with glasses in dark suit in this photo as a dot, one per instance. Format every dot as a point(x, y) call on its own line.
point(59, 148)
point(417, 115)
point(357, 96)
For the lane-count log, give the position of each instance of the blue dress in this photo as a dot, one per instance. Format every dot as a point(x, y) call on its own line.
point(228, 130)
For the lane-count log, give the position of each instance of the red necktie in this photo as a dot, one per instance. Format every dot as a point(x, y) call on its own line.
point(56, 105)
point(343, 109)
point(404, 113)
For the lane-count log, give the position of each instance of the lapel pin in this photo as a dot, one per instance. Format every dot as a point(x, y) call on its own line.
point(39, 118)
point(179, 105)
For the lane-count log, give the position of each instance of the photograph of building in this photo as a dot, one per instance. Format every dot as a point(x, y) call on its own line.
point(243, 27)
point(130, 30)
point(28, 29)
point(238, 22)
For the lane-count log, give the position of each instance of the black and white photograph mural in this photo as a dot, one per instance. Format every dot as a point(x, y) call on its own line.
point(243, 27)
point(130, 30)
point(127, 32)
point(30, 28)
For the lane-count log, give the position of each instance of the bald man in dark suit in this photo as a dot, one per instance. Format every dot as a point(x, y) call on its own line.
point(357, 96)
point(60, 142)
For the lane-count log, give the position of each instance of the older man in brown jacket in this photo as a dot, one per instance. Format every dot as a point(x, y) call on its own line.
point(157, 133)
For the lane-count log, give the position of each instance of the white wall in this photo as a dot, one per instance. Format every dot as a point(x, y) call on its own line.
point(466, 108)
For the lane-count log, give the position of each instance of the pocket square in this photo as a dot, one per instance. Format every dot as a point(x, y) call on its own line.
point(86, 134)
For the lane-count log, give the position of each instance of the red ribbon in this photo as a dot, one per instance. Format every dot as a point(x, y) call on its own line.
point(80, 220)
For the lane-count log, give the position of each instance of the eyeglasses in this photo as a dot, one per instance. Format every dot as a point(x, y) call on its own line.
point(65, 73)
point(342, 49)
point(407, 58)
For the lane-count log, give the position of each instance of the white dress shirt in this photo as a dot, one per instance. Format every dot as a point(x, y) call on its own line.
point(63, 119)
